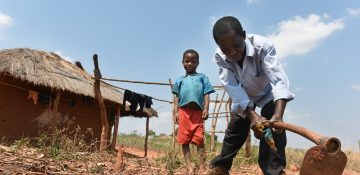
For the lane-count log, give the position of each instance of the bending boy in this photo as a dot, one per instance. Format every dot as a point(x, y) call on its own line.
point(252, 76)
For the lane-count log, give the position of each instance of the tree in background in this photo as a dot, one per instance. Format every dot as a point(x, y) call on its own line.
point(208, 137)
point(152, 133)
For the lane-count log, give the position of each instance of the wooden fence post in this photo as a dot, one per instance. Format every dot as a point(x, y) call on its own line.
point(119, 164)
point(146, 136)
point(116, 127)
point(212, 142)
point(98, 96)
point(215, 120)
point(173, 117)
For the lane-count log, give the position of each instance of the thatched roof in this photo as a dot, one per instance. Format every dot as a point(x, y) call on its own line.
point(50, 70)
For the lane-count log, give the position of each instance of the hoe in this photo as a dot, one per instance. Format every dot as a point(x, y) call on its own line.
point(326, 158)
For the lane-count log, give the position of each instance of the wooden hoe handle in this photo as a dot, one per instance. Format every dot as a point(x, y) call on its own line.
point(332, 144)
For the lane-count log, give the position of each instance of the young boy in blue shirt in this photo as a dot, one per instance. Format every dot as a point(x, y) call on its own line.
point(192, 105)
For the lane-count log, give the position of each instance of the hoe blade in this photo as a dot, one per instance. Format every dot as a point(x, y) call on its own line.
point(323, 160)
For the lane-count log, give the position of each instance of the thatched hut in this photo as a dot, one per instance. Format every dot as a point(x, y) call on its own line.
point(37, 85)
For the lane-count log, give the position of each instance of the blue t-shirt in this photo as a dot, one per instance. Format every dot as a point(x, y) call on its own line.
point(192, 88)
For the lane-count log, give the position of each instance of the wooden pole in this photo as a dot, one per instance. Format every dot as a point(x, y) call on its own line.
point(212, 142)
point(54, 111)
point(217, 101)
point(98, 96)
point(173, 117)
point(146, 136)
point(226, 112)
point(116, 127)
point(108, 142)
point(119, 164)
point(215, 119)
point(248, 146)
point(228, 108)
point(220, 104)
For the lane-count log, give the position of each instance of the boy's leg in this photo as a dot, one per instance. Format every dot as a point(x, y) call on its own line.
point(272, 163)
point(197, 132)
point(183, 135)
point(235, 136)
point(187, 157)
point(201, 153)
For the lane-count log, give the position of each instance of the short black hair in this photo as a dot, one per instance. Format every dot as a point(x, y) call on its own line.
point(192, 51)
point(225, 25)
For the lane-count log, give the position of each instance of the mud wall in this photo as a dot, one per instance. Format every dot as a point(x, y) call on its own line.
point(20, 117)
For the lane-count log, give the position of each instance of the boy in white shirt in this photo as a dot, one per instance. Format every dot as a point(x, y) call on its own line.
point(252, 76)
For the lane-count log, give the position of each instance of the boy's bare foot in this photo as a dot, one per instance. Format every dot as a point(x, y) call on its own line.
point(190, 170)
point(202, 170)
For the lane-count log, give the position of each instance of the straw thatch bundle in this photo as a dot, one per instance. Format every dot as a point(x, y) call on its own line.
point(50, 70)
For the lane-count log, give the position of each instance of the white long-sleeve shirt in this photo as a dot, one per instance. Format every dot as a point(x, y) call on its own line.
point(261, 78)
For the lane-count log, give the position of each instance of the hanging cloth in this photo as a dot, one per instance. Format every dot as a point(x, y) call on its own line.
point(141, 102)
point(34, 96)
point(136, 100)
point(148, 101)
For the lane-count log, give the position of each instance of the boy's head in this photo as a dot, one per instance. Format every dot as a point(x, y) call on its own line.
point(230, 37)
point(190, 61)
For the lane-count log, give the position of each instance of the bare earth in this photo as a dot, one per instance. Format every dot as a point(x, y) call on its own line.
point(29, 161)
point(250, 170)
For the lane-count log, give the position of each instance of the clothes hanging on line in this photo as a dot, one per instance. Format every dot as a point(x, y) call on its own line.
point(136, 100)
point(148, 101)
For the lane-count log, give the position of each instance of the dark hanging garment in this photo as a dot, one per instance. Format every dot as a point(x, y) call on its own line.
point(148, 101)
point(127, 96)
point(134, 103)
point(135, 99)
point(141, 102)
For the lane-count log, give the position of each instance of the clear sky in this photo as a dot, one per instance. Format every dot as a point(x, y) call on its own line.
point(317, 43)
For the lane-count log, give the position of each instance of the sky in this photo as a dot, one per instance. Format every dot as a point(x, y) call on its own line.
point(141, 40)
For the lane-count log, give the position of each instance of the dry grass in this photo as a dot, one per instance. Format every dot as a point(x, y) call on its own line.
point(294, 156)
point(70, 153)
point(353, 162)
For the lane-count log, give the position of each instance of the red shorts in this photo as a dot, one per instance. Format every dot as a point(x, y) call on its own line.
point(191, 127)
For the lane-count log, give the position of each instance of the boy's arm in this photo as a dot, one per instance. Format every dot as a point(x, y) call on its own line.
point(279, 110)
point(176, 108)
point(205, 113)
point(279, 113)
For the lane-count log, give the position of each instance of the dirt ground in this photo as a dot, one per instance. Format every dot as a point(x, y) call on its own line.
point(29, 161)
point(249, 170)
